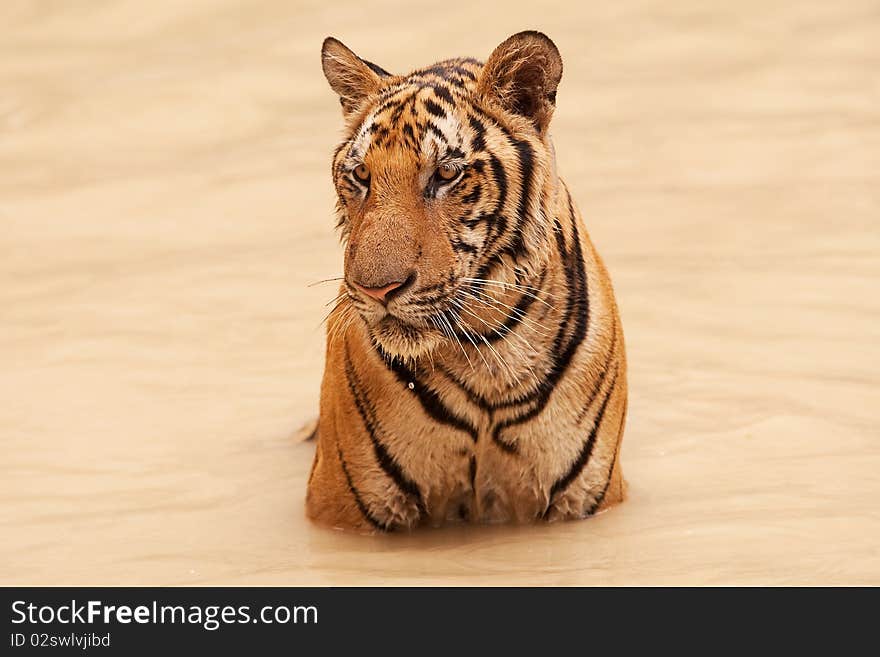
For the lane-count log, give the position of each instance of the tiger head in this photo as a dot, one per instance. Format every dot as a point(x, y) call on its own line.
point(446, 185)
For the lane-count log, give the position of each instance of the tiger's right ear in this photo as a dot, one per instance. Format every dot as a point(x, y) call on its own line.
point(351, 77)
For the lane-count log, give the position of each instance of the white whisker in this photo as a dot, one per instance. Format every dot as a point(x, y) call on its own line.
point(452, 333)
point(326, 280)
point(523, 289)
point(504, 338)
point(471, 340)
point(519, 314)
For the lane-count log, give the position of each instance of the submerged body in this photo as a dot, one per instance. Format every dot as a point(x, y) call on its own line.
point(475, 365)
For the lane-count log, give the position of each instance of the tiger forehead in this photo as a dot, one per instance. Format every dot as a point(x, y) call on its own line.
point(415, 119)
point(420, 113)
point(448, 76)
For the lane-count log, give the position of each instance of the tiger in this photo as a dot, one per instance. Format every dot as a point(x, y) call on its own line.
point(475, 367)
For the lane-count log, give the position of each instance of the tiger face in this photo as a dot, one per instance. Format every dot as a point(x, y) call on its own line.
point(442, 181)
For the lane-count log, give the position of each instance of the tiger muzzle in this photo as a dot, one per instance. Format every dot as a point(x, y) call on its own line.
point(381, 261)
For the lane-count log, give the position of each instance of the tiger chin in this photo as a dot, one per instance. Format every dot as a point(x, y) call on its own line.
point(475, 366)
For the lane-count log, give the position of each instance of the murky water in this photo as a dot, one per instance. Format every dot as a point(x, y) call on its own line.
point(165, 202)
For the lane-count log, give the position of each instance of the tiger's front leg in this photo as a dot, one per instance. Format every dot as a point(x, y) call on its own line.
point(595, 481)
point(376, 466)
point(348, 487)
point(342, 493)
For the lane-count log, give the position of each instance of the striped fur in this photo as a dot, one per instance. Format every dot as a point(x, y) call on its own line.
point(492, 387)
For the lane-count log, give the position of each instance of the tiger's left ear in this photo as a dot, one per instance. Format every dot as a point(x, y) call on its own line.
point(521, 76)
point(349, 76)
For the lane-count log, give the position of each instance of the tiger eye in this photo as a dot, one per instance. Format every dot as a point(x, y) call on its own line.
point(446, 172)
point(362, 173)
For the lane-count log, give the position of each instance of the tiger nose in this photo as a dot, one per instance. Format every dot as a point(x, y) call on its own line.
point(379, 293)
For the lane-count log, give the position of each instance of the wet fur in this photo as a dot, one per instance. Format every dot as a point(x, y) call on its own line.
point(494, 388)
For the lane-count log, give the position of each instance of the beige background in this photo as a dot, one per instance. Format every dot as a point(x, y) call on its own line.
point(165, 201)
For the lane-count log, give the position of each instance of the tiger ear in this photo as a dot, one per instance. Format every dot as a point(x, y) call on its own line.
point(351, 77)
point(521, 76)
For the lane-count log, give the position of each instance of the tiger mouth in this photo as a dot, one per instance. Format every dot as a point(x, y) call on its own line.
point(400, 326)
point(399, 337)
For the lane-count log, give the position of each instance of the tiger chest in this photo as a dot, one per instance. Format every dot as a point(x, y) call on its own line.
point(467, 468)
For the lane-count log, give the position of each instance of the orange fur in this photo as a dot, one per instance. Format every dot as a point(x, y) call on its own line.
point(492, 385)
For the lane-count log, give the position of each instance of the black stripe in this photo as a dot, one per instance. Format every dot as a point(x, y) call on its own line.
point(509, 325)
point(389, 102)
point(499, 225)
point(439, 294)
point(429, 400)
point(601, 497)
point(436, 286)
point(430, 127)
point(434, 109)
point(476, 221)
point(365, 512)
point(404, 103)
point(601, 380)
point(430, 301)
point(443, 93)
point(446, 72)
point(473, 196)
point(526, 167)
point(373, 427)
point(459, 245)
point(515, 317)
point(378, 70)
point(409, 136)
point(572, 218)
point(380, 134)
point(336, 153)
point(479, 141)
point(583, 456)
point(515, 246)
point(577, 308)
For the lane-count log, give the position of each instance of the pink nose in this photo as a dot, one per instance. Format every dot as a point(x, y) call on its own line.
point(379, 293)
